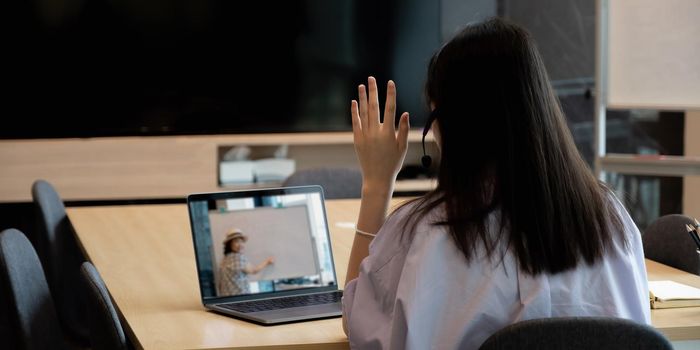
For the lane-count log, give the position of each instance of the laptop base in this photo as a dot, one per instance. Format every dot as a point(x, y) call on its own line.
point(284, 316)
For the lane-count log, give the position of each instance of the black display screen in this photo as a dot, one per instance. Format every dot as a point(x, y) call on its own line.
point(79, 68)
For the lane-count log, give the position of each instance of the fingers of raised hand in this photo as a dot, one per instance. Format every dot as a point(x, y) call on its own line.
point(373, 100)
point(404, 126)
point(390, 106)
point(356, 122)
point(355, 115)
point(362, 99)
point(365, 111)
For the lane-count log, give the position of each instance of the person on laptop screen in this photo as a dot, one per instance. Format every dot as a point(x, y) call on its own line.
point(260, 243)
point(518, 226)
point(235, 267)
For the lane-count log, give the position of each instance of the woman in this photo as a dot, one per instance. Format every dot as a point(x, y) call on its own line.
point(517, 228)
point(235, 268)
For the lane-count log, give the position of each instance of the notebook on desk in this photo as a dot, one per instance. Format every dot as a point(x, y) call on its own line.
point(670, 294)
point(265, 255)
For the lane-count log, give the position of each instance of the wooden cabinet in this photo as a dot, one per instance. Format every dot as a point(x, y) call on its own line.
point(113, 168)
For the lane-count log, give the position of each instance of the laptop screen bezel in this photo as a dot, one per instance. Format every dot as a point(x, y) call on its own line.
point(278, 191)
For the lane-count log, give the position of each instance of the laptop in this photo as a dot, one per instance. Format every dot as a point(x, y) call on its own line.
point(264, 255)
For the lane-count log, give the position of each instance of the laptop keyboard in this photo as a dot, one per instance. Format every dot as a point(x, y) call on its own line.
point(285, 303)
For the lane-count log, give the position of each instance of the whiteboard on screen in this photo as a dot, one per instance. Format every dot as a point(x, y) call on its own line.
point(284, 233)
point(654, 54)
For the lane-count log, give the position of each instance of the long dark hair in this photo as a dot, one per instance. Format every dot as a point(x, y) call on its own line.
point(505, 144)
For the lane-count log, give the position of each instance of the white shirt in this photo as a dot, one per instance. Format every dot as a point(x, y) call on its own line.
point(420, 293)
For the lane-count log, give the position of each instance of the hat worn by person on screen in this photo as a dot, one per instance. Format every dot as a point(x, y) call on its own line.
point(233, 234)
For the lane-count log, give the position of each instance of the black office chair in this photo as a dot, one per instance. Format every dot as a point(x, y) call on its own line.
point(574, 333)
point(336, 182)
point(106, 331)
point(61, 258)
point(667, 241)
point(28, 318)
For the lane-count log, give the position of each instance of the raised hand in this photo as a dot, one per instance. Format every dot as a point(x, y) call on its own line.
point(380, 148)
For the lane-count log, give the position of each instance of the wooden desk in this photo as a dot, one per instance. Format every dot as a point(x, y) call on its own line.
point(680, 323)
point(145, 255)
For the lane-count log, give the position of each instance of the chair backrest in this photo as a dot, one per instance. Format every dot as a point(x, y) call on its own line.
point(572, 333)
point(28, 319)
point(61, 258)
point(667, 241)
point(336, 182)
point(106, 331)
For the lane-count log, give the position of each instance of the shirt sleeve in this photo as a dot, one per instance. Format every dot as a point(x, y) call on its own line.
point(368, 301)
point(631, 265)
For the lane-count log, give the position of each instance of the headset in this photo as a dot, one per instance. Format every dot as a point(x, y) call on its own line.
point(426, 160)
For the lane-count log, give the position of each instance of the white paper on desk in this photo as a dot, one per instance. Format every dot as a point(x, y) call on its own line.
point(669, 290)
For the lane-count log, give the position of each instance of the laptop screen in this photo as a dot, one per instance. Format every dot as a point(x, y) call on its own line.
point(261, 241)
